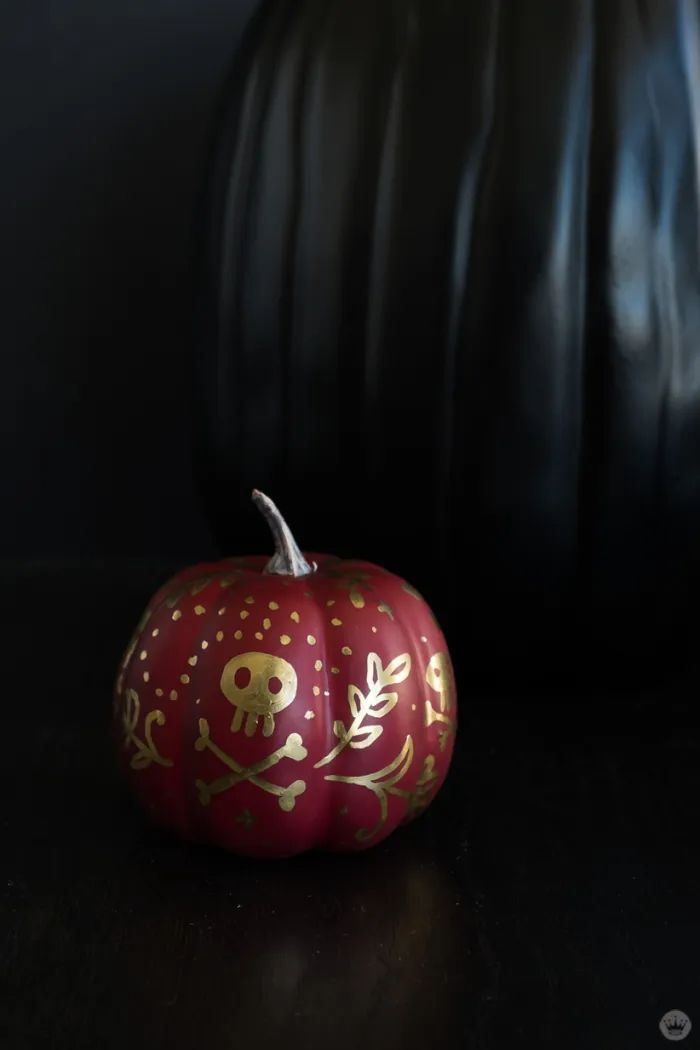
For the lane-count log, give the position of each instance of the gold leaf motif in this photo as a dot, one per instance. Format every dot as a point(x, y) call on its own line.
point(390, 702)
point(355, 699)
point(374, 670)
point(397, 670)
point(365, 736)
point(374, 704)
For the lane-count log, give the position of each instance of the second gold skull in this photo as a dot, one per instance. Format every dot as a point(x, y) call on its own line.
point(271, 686)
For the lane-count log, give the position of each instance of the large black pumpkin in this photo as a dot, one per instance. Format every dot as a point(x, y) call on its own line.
point(451, 312)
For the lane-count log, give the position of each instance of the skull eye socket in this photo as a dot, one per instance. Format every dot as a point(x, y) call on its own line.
point(242, 677)
point(275, 685)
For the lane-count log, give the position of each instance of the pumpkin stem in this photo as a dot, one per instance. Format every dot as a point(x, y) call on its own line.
point(287, 559)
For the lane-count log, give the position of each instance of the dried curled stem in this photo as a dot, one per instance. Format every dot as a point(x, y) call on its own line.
point(287, 559)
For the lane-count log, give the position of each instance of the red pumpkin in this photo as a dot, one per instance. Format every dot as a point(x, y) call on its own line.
point(274, 708)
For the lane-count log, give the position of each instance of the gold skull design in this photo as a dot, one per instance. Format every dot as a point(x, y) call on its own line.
point(439, 677)
point(258, 684)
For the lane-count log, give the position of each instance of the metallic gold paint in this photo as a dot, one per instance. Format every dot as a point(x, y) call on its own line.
point(371, 754)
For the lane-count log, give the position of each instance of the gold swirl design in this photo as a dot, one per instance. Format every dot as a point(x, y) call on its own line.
point(146, 750)
point(382, 784)
point(375, 703)
point(421, 795)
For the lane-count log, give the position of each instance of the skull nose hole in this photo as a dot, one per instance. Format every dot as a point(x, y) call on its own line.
point(242, 677)
point(275, 685)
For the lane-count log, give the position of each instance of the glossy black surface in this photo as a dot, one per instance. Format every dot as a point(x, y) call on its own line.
point(451, 310)
point(548, 899)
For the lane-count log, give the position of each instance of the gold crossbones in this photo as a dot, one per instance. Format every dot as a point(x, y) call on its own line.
point(439, 677)
point(286, 796)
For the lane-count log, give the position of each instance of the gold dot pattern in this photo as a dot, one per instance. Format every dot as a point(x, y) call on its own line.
point(185, 679)
point(219, 636)
point(318, 665)
point(336, 622)
point(177, 614)
point(173, 694)
point(244, 614)
point(272, 605)
point(146, 676)
point(259, 635)
point(331, 601)
point(155, 632)
point(205, 645)
point(294, 616)
point(316, 690)
point(335, 670)
point(250, 600)
point(310, 639)
point(199, 610)
point(267, 623)
point(222, 610)
point(346, 650)
point(143, 654)
point(308, 715)
point(159, 692)
point(285, 639)
point(192, 661)
point(238, 635)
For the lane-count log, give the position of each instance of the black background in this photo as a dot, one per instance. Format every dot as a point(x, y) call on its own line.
point(549, 898)
point(105, 116)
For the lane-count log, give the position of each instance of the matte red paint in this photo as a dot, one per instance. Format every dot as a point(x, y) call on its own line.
point(386, 617)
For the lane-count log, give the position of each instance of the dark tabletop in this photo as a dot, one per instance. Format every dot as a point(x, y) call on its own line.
point(550, 897)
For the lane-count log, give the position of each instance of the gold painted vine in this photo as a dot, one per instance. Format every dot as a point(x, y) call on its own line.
point(374, 703)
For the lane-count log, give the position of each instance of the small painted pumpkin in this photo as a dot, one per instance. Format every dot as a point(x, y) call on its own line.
point(275, 707)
